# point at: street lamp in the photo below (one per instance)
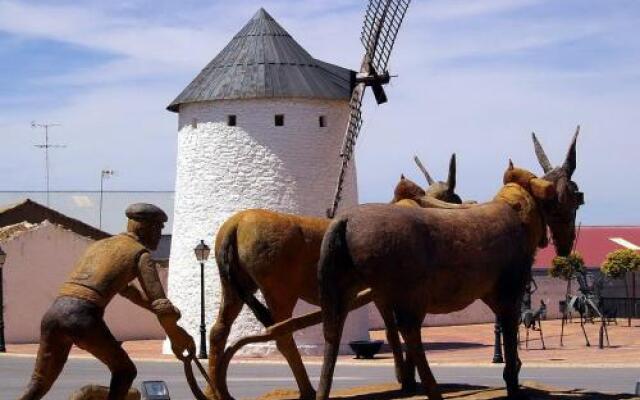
(202, 254)
(3, 258)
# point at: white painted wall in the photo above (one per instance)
(222, 170)
(38, 262)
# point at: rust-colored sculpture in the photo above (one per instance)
(76, 317)
(419, 261)
(278, 254)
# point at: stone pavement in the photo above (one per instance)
(465, 345)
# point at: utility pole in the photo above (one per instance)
(105, 174)
(46, 146)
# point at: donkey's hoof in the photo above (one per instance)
(517, 395)
(309, 394)
(409, 386)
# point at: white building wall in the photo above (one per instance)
(223, 169)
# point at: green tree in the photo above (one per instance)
(619, 262)
(566, 267)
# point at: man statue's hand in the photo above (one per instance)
(182, 342)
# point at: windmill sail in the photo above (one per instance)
(382, 22)
(380, 29)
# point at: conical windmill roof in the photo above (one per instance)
(264, 61)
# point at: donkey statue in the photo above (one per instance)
(278, 254)
(418, 261)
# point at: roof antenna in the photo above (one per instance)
(46, 146)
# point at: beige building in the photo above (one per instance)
(42, 248)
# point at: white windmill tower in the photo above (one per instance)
(261, 126)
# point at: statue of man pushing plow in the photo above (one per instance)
(107, 268)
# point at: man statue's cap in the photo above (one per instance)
(145, 212)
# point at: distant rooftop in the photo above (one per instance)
(594, 243)
(263, 61)
(14, 216)
(85, 205)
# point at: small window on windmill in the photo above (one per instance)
(231, 120)
(322, 121)
(279, 120)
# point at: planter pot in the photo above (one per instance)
(366, 348)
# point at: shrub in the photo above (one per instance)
(566, 267)
(619, 262)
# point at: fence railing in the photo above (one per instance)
(621, 307)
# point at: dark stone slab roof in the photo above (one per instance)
(263, 61)
(29, 211)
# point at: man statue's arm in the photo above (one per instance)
(134, 295)
(154, 292)
(168, 315)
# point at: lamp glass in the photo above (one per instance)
(202, 251)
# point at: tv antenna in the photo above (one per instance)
(104, 175)
(46, 146)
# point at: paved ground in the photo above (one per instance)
(248, 380)
(473, 345)
(459, 354)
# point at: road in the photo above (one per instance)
(252, 379)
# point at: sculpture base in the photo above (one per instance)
(533, 390)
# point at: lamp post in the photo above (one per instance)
(497, 343)
(202, 254)
(3, 258)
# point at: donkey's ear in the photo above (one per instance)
(570, 161)
(542, 189)
(511, 167)
(451, 180)
(402, 177)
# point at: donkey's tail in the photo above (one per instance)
(227, 259)
(335, 263)
(335, 270)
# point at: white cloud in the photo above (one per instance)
(458, 9)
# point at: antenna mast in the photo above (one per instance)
(46, 146)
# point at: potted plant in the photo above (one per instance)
(617, 265)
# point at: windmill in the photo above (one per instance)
(382, 22)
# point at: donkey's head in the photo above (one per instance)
(444, 191)
(406, 189)
(560, 211)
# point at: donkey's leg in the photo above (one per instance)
(282, 309)
(405, 369)
(230, 307)
(411, 334)
(509, 321)
(333, 317)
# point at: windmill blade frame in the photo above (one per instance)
(382, 22)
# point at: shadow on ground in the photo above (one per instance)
(442, 346)
(533, 390)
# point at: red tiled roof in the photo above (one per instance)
(594, 243)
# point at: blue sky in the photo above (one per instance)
(474, 77)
